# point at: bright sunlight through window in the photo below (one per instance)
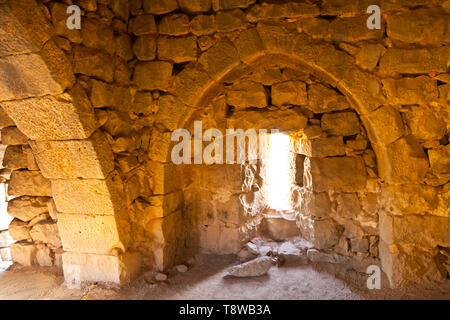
(279, 172)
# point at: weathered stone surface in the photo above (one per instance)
(144, 24)
(414, 61)
(425, 123)
(26, 208)
(89, 233)
(402, 161)
(227, 21)
(106, 95)
(59, 20)
(369, 55)
(92, 62)
(14, 36)
(385, 125)
(30, 183)
(316, 205)
(203, 25)
(46, 232)
(425, 230)
(245, 94)
(174, 25)
(88, 196)
(408, 264)
(14, 158)
(72, 159)
(153, 75)
(145, 47)
(322, 147)
(63, 117)
(23, 253)
(19, 230)
(287, 121)
(346, 174)
(195, 6)
(424, 26)
(418, 90)
(410, 199)
(51, 208)
(248, 44)
(340, 123)
(440, 160)
(348, 206)
(282, 10)
(191, 83)
(325, 233)
(13, 136)
(289, 93)
(279, 229)
(353, 30)
(178, 50)
(323, 99)
(220, 59)
(5, 120)
(171, 112)
(43, 256)
(253, 268)
(105, 268)
(123, 46)
(159, 6)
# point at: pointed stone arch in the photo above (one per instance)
(229, 59)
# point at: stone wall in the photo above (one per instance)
(137, 70)
(33, 228)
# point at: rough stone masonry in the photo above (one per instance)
(87, 116)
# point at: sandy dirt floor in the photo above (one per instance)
(207, 279)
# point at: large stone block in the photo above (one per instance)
(14, 39)
(101, 268)
(159, 6)
(193, 6)
(89, 233)
(178, 50)
(46, 232)
(14, 158)
(19, 230)
(440, 160)
(403, 91)
(414, 61)
(287, 121)
(26, 208)
(72, 159)
(246, 94)
(174, 25)
(94, 63)
(353, 30)
(345, 174)
(30, 183)
(23, 253)
(249, 44)
(384, 125)
(5, 120)
(105, 95)
(88, 196)
(145, 48)
(340, 123)
(220, 59)
(153, 75)
(311, 204)
(425, 123)
(59, 20)
(143, 25)
(402, 161)
(426, 231)
(323, 99)
(282, 10)
(322, 147)
(424, 26)
(13, 136)
(410, 199)
(289, 93)
(63, 117)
